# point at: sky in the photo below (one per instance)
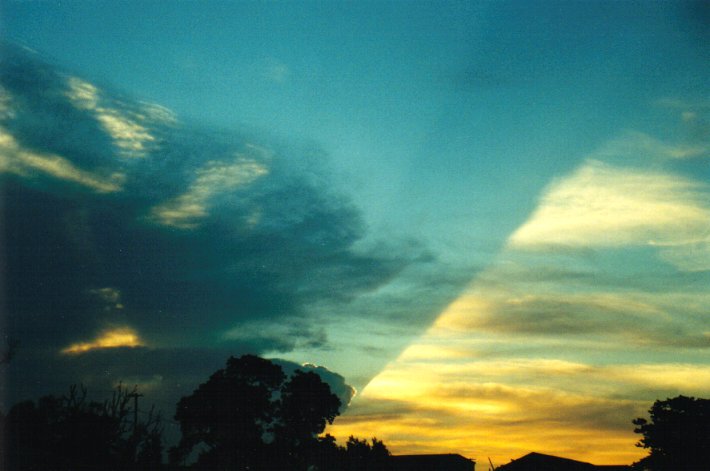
(485, 224)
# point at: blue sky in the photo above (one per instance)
(330, 182)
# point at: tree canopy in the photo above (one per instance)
(250, 415)
(678, 435)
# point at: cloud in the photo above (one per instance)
(642, 147)
(287, 335)
(478, 416)
(186, 210)
(335, 381)
(636, 318)
(113, 338)
(163, 375)
(170, 372)
(595, 308)
(130, 232)
(507, 407)
(17, 160)
(683, 104)
(124, 124)
(110, 297)
(607, 206)
(204, 232)
(6, 110)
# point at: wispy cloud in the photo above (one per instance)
(649, 147)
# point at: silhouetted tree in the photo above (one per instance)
(356, 455)
(305, 406)
(678, 435)
(149, 446)
(69, 433)
(249, 415)
(229, 415)
(361, 455)
(327, 455)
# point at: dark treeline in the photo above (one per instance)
(71, 433)
(246, 416)
(251, 416)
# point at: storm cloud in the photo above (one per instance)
(125, 227)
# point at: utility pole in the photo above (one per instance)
(135, 397)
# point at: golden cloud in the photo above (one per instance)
(602, 205)
(505, 408)
(554, 348)
(497, 420)
(608, 206)
(113, 338)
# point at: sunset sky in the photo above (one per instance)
(489, 219)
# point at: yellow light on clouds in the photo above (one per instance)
(14, 158)
(605, 206)
(124, 126)
(119, 337)
(186, 210)
(555, 348)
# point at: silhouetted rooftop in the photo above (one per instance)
(445, 462)
(541, 462)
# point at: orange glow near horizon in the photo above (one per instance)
(501, 443)
(113, 338)
(544, 351)
(416, 409)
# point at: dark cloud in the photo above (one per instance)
(116, 214)
(206, 228)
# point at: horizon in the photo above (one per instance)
(486, 225)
